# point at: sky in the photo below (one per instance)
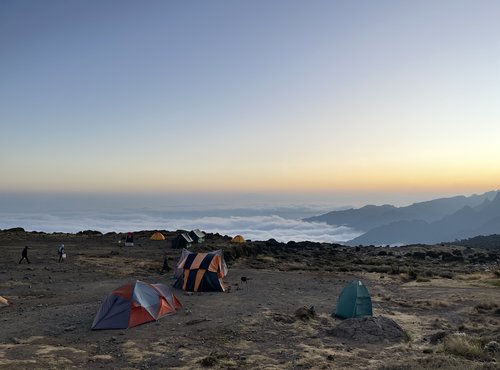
(350, 98)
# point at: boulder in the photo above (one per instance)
(369, 330)
(305, 314)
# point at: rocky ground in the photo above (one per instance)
(446, 299)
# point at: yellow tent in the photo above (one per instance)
(157, 236)
(238, 239)
(3, 302)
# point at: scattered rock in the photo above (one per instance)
(89, 233)
(492, 347)
(437, 337)
(17, 341)
(197, 321)
(305, 314)
(213, 359)
(369, 330)
(14, 230)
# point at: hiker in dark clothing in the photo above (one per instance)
(165, 267)
(61, 253)
(25, 255)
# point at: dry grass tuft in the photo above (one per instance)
(494, 282)
(438, 363)
(216, 359)
(464, 346)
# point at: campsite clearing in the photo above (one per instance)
(253, 326)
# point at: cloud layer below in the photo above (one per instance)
(261, 227)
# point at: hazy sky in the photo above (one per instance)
(250, 96)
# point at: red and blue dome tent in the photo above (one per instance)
(135, 304)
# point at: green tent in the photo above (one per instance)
(354, 301)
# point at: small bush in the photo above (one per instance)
(494, 282)
(421, 279)
(447, 275)
(408, 336)
(213, 359)
(379, 269)
(394, 269)
(412, 274)
(487, 306)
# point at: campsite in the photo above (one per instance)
(276, 311)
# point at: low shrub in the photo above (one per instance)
(394, 269)
(421, 279)
(487, 306)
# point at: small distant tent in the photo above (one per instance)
(354, 301)
(3, 302)
(135, 304)
(157, 236)
(201, 272)
(129, 240)
(182, 241)
(197, 235)
(238, 239)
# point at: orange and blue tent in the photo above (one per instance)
(135, 304)
(201, 272)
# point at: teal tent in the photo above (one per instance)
(354, 301)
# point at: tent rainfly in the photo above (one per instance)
(182, 241)
(135, 304)
(157, 236)
(201, 272)
(197, 235)
(3, 302)
(354, 301)
(238, 239)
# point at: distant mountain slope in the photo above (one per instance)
(488, 242)
(467, 222)
(370, 217)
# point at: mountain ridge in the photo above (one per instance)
(432, 221)
(466, 222)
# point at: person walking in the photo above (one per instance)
(165, 267)
(24, 254)
(62, 253)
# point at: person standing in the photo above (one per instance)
(24, 254)
(61, 252)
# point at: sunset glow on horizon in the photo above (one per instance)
(283, 96)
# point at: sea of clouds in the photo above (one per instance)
(254, 227)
